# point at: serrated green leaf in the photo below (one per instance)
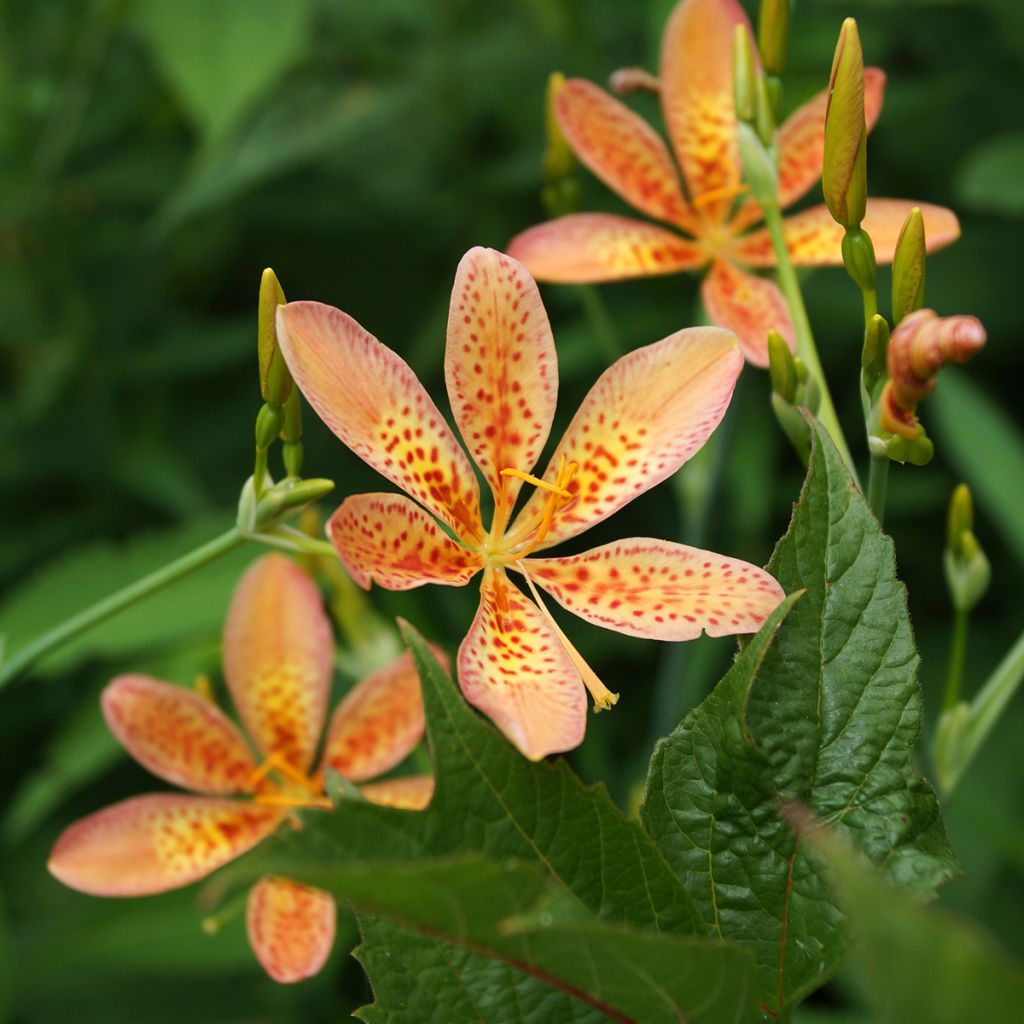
(188, 608)
(987, 449)
(511, 912)
(491, 800)
(920, 964)
(827, 714)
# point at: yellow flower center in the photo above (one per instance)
(291, 788)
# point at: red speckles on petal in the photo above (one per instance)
(154, 843)
(645, 416)
(387, 539)
(370, 397)
(178, 735)
(291, 928)
(278, 658)
(489, 397)
(663, 591)
(513, 667)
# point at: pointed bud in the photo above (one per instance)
(960, 519)
(908, 267)
(744, 75)
(268, 425)
(859, 258)
(773, 35)
(559, 161)
(764, 112)
(275, 380)
(873, 356)
(781, 367)
(967, 568)
(285, 498)
(844, 173)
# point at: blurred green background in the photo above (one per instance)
(156, 155)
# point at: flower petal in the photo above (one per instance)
(408, 793)
(371, 399)
(178, 735)
(389, 540)
(802, 146)
(378, 722)
(278, 658)
(154, 843)
(815, 239)
(622, 150)
(645, 416)
(697, 100)
(590, 247)
(500, 366)
(659, 590)
(749, 305)
(513, 667)
(291, 927)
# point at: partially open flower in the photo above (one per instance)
(278, 655)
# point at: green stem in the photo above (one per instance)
(101, 610)
(805, 347)
(870, 305)
(597, 313)
(878, 485)
(957, 656)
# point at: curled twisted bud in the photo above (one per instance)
(920, 346)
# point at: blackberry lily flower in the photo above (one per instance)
(277, 662)
(642, 420)
(710, 228)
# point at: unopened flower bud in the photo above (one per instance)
(275, 380)
(287, 497)
(268, 425)
(960, 520)
(773, 35)
(859, 258)
(744, 74)
(967, 568)
(781, 367)
(873, 356)
(908, 266)
(919, 347)
(558, 157)
(844, 172)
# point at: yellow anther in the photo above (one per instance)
(714, 194)
(529, 478)
(277, 762)
(293, 800)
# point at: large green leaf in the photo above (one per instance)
(826, 714)
(920, 964)
(512, 913)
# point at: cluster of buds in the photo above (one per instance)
(920, 346)
(561, 192)
(793, 389)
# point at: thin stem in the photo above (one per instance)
(805, 347)
(870, 305)
(597, 313)
(102, 610)
(878, 485)
(957, 656)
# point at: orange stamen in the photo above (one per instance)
(560, 496)
(280, 797)
(714, 194)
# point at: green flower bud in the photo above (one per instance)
(744, 74)
(764, 112)
(773, 35)
(908, 266)
(967, 568)
(275, 380)
(268, 425)
(859, 258)
(960, 519)
(844, 173)
(285, 498)
(873, 356)
(781, 367)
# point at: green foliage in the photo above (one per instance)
(990, 178)
(827, 716)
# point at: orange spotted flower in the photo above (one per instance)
(278, 655)
(709, 209)
(642, 420)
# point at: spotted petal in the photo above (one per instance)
(389, 540)
(748, 305)
(645, 416)
(622, 150)
(500, 366)
(371, 399)
(697, 100)
(278, 655)
(377, 723)
(815, 239)
(291, 927)
(408, 793)
(154, 843)
(513, 667)
(802, 146)
(591, 247)
(659, 590)
(178, 735)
